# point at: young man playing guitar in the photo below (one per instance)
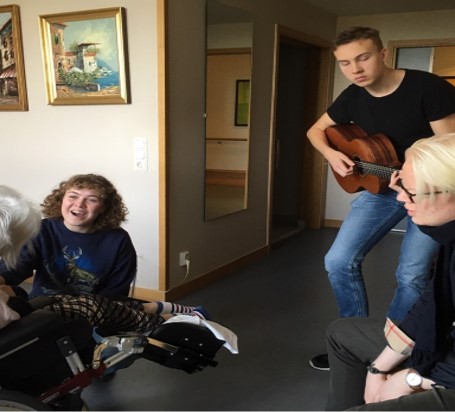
(404, 105)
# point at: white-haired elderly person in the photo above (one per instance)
(411, 365)
(20, 222)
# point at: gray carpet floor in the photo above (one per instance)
(279, 307)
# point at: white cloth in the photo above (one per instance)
(220, 332)
(7, 315)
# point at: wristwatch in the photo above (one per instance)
(414, 380)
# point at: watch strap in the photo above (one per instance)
(375, 371)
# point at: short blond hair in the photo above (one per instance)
(433, 162)
(20, 222)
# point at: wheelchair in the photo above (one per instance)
(46, 362)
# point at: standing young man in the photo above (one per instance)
(405, 105)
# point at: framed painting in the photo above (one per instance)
(85, 57)
(242, 102)
(13, 91)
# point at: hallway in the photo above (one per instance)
(279, 307)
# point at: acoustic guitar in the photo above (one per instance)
(374, 157)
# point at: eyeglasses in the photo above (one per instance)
(411, 196)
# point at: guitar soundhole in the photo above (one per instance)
(358, 164)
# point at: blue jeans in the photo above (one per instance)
(370, 219)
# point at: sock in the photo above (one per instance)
(174, 308)
(169, 307)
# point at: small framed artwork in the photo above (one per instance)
(85, 57)
(242, 102)
(13, 91)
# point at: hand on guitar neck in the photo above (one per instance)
(364, 162)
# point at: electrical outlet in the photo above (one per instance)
(183, 258)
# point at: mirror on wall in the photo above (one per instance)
(228, 86)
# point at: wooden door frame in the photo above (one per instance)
(315, 165)
(163, 277)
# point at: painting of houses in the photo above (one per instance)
(13, 92)
(9, 92)
(84, 58)
(78, 66)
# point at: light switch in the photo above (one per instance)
(140, 154)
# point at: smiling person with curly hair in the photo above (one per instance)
(81, 247)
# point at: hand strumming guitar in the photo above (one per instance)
(339, 162)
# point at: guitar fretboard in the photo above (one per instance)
(368, 168)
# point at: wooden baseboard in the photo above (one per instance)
(194, 285)
(332, 223)
(147, 294)
(225, 177)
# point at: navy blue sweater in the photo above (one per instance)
(66, 262)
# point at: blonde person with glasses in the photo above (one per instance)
(410, 365)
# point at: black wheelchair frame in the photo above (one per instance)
(46, 362)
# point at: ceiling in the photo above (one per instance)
(220, 13)
(362, 7)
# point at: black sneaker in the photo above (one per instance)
(320, 362)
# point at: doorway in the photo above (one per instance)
(303, 73)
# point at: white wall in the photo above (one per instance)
(47, 144)
(399, 26)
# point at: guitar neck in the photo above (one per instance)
(374, 169)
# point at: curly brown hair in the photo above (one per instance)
(114, 213)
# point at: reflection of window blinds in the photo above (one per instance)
(419, 58)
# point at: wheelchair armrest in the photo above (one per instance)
(27, 330)
(31, 360)
(40, 302)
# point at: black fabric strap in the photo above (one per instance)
(20, 305)
(375, 371)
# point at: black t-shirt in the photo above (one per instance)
(404, 115)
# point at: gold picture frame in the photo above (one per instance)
(85, 57)
(13, 90)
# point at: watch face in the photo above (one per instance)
(414, 379)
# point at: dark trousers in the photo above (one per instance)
(352, 344)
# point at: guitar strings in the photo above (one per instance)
(375, 169)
